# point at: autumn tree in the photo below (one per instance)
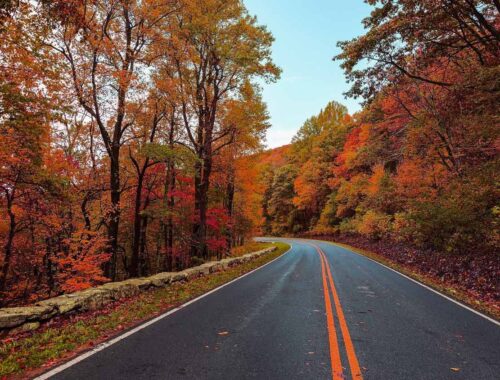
(25, 113)
(106, 47)
(149, 121)
(315, 148)
(114, 118)
(406, 37)
(280, 211)
(248, 118)
(218, 48)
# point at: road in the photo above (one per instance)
(287, 321)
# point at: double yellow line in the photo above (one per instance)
(337, 370)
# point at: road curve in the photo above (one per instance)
(318, 312)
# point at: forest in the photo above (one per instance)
(132, 136)
(120, 123)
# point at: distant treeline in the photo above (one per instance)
(420, 162)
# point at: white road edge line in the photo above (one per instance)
(417, 282)
(104, 345)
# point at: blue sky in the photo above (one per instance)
(306, 33)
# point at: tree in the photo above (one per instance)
(218, 48)
(25, 113)
(248, 118)
(107, 46)
(115, 117)
(280, 207)
(147, 127)
(406, 37)
(315, 152)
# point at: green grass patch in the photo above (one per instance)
(49, 345)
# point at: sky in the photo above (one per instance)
(306, 33)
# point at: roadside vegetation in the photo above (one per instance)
(249, 247)
(117, 156)
(29, 353)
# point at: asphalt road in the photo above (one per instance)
(286, 321)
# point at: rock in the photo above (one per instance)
(30, 326)
(161, 279)
(225, 263)
(216, 267)
(89, 299)
(9, 318)
(142, 283)
(120, 289)
(206, 268)
(15, 316)
(92, 299)
(193, 272)
(64, 304)
(179, 276)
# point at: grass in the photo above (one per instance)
(35, 352)
(251, 246)
(447, 289)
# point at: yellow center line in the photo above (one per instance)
(332, 333)
(351, 353)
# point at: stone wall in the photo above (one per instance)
(29, 317)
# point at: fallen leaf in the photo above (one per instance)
(223, 333)
(455, 369)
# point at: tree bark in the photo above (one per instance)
(169, 225)
(229, 205)
(144, 267)
(8, 244)
(114, 222)
(135, 260)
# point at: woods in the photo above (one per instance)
(118, 122)
(419, 164)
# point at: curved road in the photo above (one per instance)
(317, 312)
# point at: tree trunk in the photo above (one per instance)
(169, 200)
(114, 222)
(195, 237)
(229, 205)
(8, 244)
(202, 184)
(143, 259)
(169, 225)
(135, 260)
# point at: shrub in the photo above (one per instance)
(403, 227)
(457, 220)
(374, 224)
